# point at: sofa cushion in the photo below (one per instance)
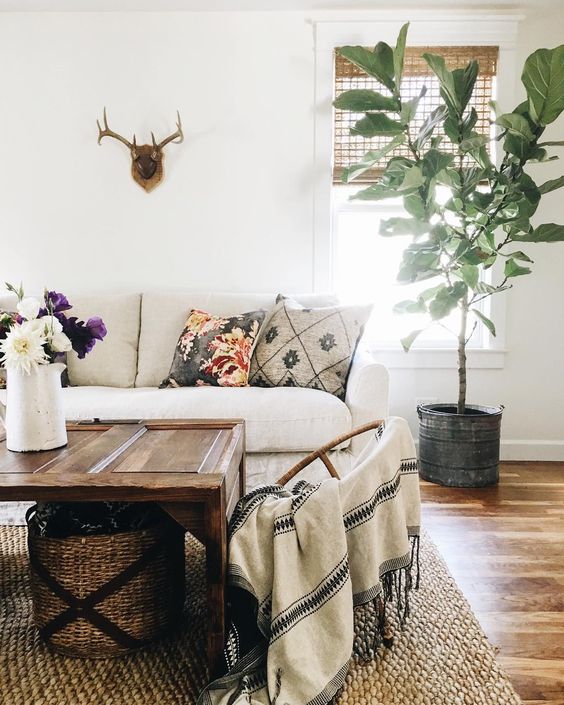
(278, 420)
(163, 315)
(113, 361)
(308, 347)
(214, 350)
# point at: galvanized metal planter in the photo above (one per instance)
(459, 450)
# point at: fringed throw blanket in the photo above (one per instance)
(300, 560)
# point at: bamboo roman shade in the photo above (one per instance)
(349, 149)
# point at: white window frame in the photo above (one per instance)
(427, 28)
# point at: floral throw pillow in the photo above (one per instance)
(308, 347)
(214, 350)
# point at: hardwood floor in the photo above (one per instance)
(504, 546)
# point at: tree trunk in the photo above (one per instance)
(461, 407)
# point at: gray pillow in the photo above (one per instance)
(214, 350)
(308, 347)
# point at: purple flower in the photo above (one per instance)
(59, 302)
(83, 336)
(97, 327)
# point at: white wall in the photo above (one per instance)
(235, 211)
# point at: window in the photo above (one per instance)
(350, 149)
(364, 264)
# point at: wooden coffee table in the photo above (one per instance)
(195, 470)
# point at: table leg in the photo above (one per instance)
(216, 568)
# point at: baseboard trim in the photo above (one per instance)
(532, 450)
(529, 450)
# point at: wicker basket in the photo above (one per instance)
(102, 596)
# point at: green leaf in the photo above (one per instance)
(376, 124)
(375, 192)
(403, 226)
(530, 190)
(543, 78)
(415, 206)
(399, 53)
(495, 107)
(539, 154)
(412, 181)
(464, 80)
(395, 171)
(446, 80)
(385, 55)
(409, 306)
(470, 274)
(428, 294)
(482, 157)
(485, 320)
(517, 125)
(474, 142)
(549, 232)
(516, 145)
(512, 269)
(451, 129)
(408, 341)
(370, 159)
(486, 242)
(362, 100)
(446, 300)
(374, 63)
(551, 185)
(484, 288)
(434, 162)
(473, 256)
(426, 130)
(409, 108)
(469, 121)
(520, 256)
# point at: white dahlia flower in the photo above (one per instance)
(22, 349)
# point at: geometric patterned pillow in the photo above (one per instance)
(308, 347)
(214, 350)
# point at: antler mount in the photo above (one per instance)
(146, 159)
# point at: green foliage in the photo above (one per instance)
(543, 78)
(362, 100)
(376, 124)
(399, 53)
(370, 159)
(457, 243)
(551, 185)
(375, 63)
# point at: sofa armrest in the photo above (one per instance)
(367, 394)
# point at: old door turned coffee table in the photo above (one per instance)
(195, 470)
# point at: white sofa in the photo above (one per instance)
(120, 378)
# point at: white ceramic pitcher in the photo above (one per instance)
(34, 416)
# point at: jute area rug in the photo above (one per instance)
(441, 657)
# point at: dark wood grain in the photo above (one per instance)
(505, 548)
(194, 470)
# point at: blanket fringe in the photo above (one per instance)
(396, 586)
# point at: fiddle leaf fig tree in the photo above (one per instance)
(486, 213)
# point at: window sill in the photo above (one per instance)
(438, 358)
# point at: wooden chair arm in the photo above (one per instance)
(321, 453)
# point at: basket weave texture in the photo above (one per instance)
(74, 576)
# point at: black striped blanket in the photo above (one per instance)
(301, 559)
